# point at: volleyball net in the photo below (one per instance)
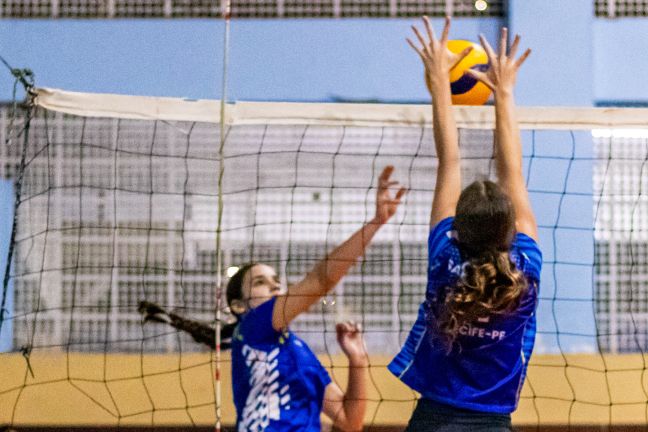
(116, 201)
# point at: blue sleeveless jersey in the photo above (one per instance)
(277, 381)
(487, 372)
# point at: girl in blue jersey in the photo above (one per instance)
(278, 383)
(468, 351)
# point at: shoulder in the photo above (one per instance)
(444, 258)
(256, 324)
(527, 255)
(441, 236)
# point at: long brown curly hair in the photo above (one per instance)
(490, 283)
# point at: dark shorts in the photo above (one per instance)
(430, 416)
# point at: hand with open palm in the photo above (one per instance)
(386, 204)
(502, 72)
(437, 58)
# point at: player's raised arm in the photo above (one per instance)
(328, 272)
(501, 77)
(438, 62)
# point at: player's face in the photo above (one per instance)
(260, 284)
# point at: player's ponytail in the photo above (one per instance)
(201, 332)
(490, 283)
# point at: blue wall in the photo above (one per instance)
(6, 216)
(559, 70)
(620, 60)
(577, 59)
(270, 60)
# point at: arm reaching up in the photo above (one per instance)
(438, 61)
(328, 272)
(501, 77)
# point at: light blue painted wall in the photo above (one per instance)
(619, 59)
(318, 59)
(560, 188)
(6, 218)
(559, 72)
(270, 60)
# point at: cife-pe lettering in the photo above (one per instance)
(481, 332)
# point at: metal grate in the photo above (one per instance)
(621, 8)
(28, 9)
(258, 9)
(83, 9)
(621, 254)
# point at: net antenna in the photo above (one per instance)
(226, 9)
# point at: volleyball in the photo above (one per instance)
(466, 90)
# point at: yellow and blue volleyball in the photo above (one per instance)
(466, 90)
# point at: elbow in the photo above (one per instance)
(352, 420)
(356, 426)
(322, 279)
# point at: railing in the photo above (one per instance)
(263, 9)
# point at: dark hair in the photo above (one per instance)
(490, 282)
(485, 218)
(201, 332)
(234, 290)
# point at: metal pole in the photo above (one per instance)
(226, 11)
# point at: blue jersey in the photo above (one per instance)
(277, 381)
(487, 372)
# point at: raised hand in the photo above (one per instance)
(502, 72)
(349, 337)
(386, 204)
(437, 58)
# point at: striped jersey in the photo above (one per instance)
(277, 381)
(486, 369)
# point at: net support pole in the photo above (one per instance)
(226, 11)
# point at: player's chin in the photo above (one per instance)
(253, 304)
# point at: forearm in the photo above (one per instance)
(507, 139)
(446, 137)
(355, 398)
(337, 263)
(328, 272)
(446, 140)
